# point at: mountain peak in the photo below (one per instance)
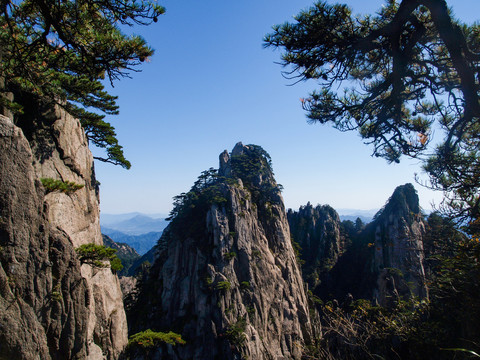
(235, 257)
(404, 202)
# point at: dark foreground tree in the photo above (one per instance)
(396, 78)
(59, 51)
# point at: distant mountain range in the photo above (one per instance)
(142, 231)
(137, 230)
(352, 214)
(133, 223)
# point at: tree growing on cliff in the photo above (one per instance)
(401, 73)
(60, 51)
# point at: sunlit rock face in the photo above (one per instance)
(225, 276)
(79, 308)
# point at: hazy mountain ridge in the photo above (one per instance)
(138, 230)
(137, 224)
(141, 243)
(107, 218)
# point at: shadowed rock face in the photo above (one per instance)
(72, 310)
(317, 231)
(399, 258)
(231, 286)
(383, 262)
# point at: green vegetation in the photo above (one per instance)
(230, 255)
(245, 285)
(223, 285)
(236, 332)
(148, 339)
(190, 208)
(404, 198)
(57, 293)
(67, 187)
(98, 256)
(364, 331)
(297, 250)
(127, 256)
(251, 166)
(407, 70)
(116, 264)
(208, 281)
(256, 253)
(406, 328)
(60, 52)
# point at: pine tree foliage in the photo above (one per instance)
(395, 77)
(60, 51)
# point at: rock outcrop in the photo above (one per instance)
(317, 232)
(74, 310)
(225, 276)
(383, 262)
(399, 230)
(42, 293)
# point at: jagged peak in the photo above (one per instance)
(247, 167)
(404, 202)
(249, 163)
(316, 211)
(224, 168)
(229, 246)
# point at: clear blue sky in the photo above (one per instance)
(211, 84)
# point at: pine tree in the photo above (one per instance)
(59, 51)
(394, 77)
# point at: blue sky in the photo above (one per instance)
(211, 84)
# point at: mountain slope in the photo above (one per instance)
(383, 262)
(141, 243)
(225, 275)
(137, 225)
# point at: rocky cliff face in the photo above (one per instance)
(225, 275)
(382, 263)
(317, 231)
(40, 231)
(399, 230)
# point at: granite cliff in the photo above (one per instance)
(399, 230)
(382, 262)
(225, 274)
(53, 306)
(317, 231)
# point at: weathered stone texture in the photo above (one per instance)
(317, 232)
(235, 291)
(72, 310)
(42, 295)
(78, 215)
(399, 256)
